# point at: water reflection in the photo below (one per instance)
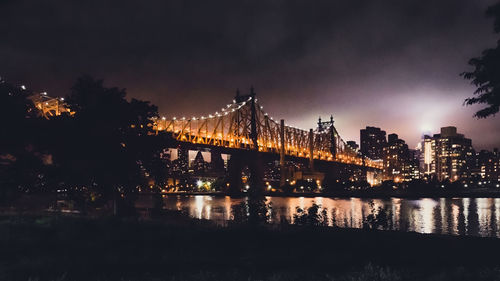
(459, 216)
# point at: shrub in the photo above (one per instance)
(312, 217)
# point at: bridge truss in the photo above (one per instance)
(243, 124)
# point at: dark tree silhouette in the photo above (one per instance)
(98, 154)
(15, 110)
(20, 161)
(486, 74)
(99, 150)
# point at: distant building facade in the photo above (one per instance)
(488, 165)
(413, 165)
(353, 145)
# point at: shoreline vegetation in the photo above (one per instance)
(176, 247)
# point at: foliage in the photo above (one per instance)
(380, 218)
(314, 216)
(20, 161)
(102, 150)
(253, 211)
(219, 184)
(486, 74)
(334, 217)
(240, 212)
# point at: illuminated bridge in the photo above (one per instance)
(243, 124)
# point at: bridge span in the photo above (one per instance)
(244, 125)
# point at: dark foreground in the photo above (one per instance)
(63, 248)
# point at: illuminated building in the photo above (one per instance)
(397, 165)
(180, 165)
(272, 172)
(449, 155)
(372, 142)
(353, 145)
(487, 165)
(413, 164)
(183, 156)
(429, 149)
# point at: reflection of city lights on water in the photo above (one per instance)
(199, 205)
(466, 203)
(445, 215)
(426, 213)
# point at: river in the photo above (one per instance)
(456, 216)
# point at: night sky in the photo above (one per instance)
(392, 64)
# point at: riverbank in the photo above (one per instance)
(49, 248)
(375, 194)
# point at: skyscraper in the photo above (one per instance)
(400, 163)
(449, 155)
(372, 142)
(429, 149)
(413, 164)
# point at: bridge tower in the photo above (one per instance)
(250, 158)
(328, 125)
(253, 121)
(253, 115)
(311, 150)
(283, 173)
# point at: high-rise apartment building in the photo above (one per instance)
(487, 165)
(373, 142)
(400, 162)
(448, 155)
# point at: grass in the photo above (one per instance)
(68, 248)
(367, 273)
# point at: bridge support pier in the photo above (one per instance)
(282, 153)
(240, 160)
(311, 150)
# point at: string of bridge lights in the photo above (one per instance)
(44, 94)
(225, 111)
(232, 107)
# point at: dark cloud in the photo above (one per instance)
(366, 62)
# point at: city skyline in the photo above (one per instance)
(391, 66)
